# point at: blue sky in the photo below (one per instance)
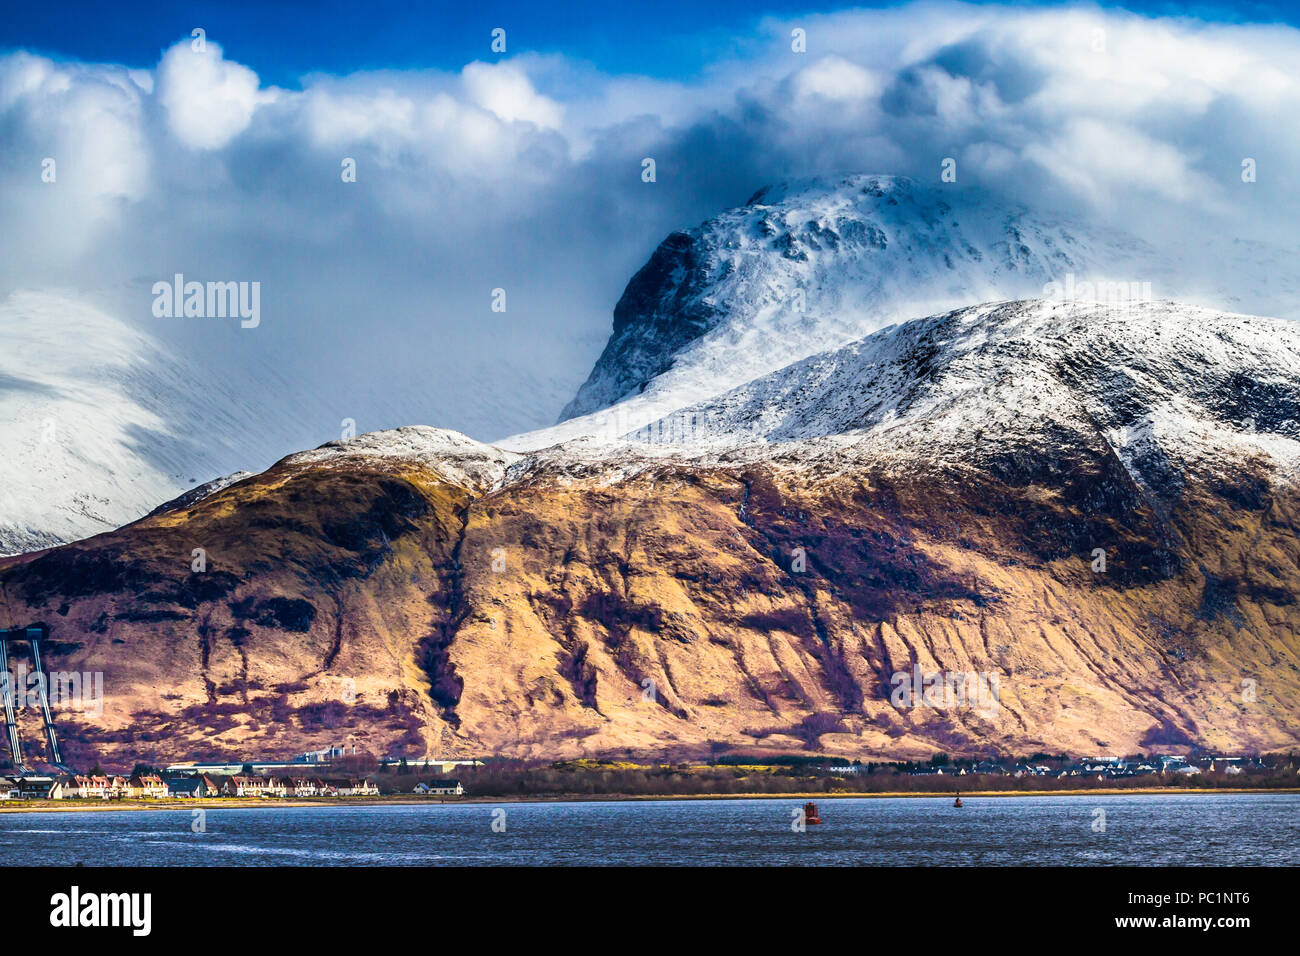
(283, 41)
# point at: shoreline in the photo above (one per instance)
(259, 803)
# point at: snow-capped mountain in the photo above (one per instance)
(1096, 502)
(452, 455)
(823, 260)
(1100, 509)
(815, 264)
(1155, 382)
(102, 423)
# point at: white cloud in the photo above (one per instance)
(835, 78)
(1120, 154)
(209, 100)
(75, 150)
(504, 90)
(337, 119)
(88, 120)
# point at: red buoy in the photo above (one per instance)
(810, 814)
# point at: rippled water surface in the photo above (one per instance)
(1148, 830)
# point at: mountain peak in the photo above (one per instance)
(811, 264)
(807, 188)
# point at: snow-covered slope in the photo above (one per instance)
(458, 458)
(815, 264)
(99, 424)
(1157, 382)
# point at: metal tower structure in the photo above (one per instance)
(33, 634)
(11, 719)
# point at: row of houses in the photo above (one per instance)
(1108, 767)
(245, 785)
(152, 787)
(76, 786)
(1168, 763)
(1077, 770)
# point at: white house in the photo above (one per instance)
(302, 787)
(447, 788)
(148, 786)
(85, 787)
(242, 785)
(348, 788)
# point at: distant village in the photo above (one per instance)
(333, 773)
(207, 781)
(1099, 767)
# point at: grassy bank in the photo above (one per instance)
(611, 778)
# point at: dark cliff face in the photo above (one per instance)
(658, 286)
(658, 314)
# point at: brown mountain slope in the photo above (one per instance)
(421, 601)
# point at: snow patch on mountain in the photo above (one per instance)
(206, 490)
(1158, 383)
(457, 458)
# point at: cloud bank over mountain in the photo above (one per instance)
(523, 172)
